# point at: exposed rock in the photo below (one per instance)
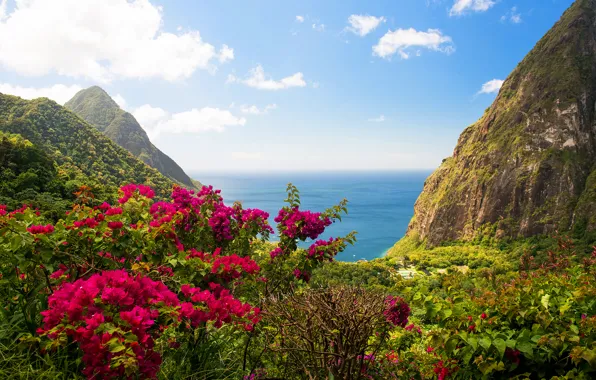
(527, 166)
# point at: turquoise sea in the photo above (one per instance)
(379, 209)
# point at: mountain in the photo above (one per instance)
(96, 107)
(50, 150)
(527, 167)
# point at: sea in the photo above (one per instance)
(380, 204)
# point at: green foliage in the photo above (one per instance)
(80, 154)
(28, 176)
(96, 107)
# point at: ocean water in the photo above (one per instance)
(380, 204)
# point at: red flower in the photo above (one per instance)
(397, 311)
(40, 229)
(115, 225)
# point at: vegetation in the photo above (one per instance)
(190, 288)
(80, 155)
(108, 269)
(96, 107)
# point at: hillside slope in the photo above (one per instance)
(527, 166)
(80, 151)
(96, 107)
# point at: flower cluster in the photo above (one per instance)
(117, 318)
(396, 311)
(294, 223)
(113, 211)
(220, 222)
(217, 306)
(233, 265)
(129, 190)
(84, 308)
(321, 249)
(226, 267)
(301, 275)
(276, 252)
(258, 217)
(62, 269)
(41, 229)
(115, 225)
(87, 222)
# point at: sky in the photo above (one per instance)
(263, 85)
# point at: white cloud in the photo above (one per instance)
(363, 24)
(379, 119)
(318, 27)
(492, 86)
(99, 39)
(300, 18)
(254, 110)
(119, 99)
(156, 120)
(514, 16)
(242, 156)
(225, 54)
(59, 93)
(400, 40)
(259, 80)
(464, 6)
(3, 9)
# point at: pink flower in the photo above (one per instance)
(294, 223)
(396, 311)
(276, 252)
(114, 211)
(40, 229)
(115, 225)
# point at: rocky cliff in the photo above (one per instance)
(527, 166)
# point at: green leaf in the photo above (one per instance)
(117, 348)
(473, 342)
(590, 357)
(564, 308)
(487, 367)
(451, 344)
(525, 348)
(447, 313)
(544, 300)
(500, 345)
(484, 342)
(467, 355)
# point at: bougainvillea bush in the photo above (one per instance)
(120, 288)
(194, 288)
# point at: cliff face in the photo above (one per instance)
(527, 166)
(96, 107)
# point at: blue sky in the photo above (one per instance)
(279, 85)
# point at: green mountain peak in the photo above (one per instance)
(96, 107)
(526, 167)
